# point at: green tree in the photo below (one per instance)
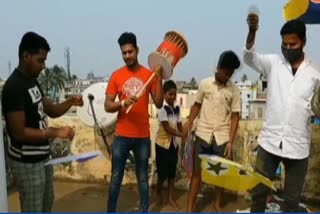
(53, 80)
(74, 77)
(46, 80)
(244, 78)
(193, 83)
(60, 77)
(60, 80)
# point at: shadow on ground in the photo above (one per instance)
(77, 197)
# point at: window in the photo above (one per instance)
(248, 95)
(260, 111)
(264, 85)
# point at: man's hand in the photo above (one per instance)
(228, 151)
(130, 100)
(76, 100)
(65, 132)
(187, 126)
(253, 22)
(158, 70)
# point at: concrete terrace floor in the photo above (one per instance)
(77, 197)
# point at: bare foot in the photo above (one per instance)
(160, 199)
(216, 208)
(153, 199)
(174, 204)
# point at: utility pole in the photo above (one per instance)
(68, 61)
(9, 68)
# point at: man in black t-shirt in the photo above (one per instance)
(25, 109)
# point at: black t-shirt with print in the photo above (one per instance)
(21, 93)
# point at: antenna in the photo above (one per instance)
(96, 96)
(90, 97)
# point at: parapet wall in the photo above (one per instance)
(98, 169)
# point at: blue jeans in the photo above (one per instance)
(120, 151)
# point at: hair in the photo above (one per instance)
(294, 27)
(170, 84)
(229, 60)
(32, 43)
(127, 38)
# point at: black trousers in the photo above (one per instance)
(166, 161)
(295, 172)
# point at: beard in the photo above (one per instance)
(131, 63)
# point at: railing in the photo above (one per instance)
(3, 183)
(261, 95)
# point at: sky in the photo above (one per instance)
(91, 29)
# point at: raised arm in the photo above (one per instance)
(258, 62)
(253, 24)
(156, 88)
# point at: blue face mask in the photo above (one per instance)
(292, 55)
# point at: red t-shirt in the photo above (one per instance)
(124, 83)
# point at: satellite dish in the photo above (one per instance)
(96, 92)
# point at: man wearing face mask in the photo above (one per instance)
(285, 136)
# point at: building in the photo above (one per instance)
(253, 98)
(257, 106)
(184, 87)
(77, 87)
(247, 92)
(184, 100)
(257, 109)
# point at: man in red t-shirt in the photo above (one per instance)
(132, 129)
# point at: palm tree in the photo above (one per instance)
(59, 80)
(53, 80)
(244, 78)
(193, 83)
(60, 77)
(74, 77)
(46, 80)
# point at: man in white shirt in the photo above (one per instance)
(285, 136)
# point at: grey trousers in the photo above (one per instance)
(35, 185)
(295, 172)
